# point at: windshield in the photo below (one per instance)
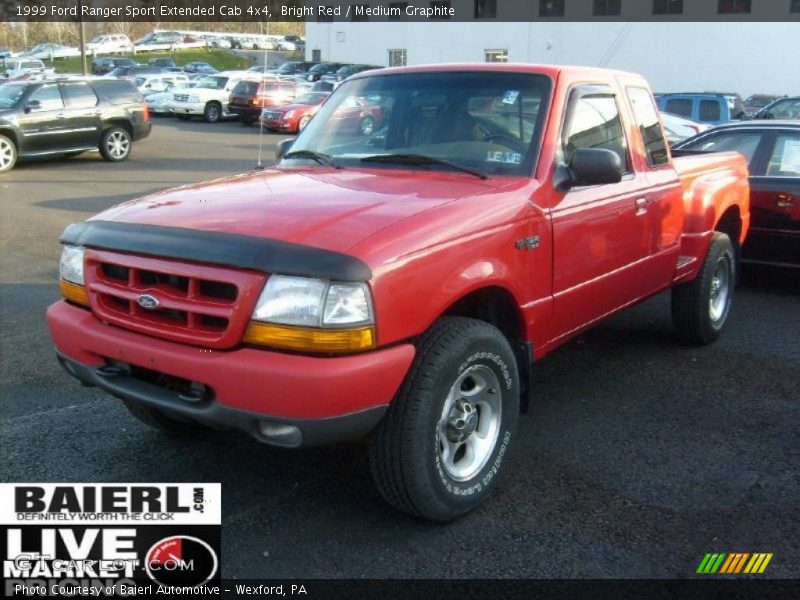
(490, 121)
(289, 66)
(311, 98)
(213, 83)
(10, 94)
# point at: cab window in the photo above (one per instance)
(594, 122)
(644, 111)
(79, 95)
(48, 96)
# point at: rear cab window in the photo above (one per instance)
(649, 125)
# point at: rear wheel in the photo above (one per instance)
(247, 119)
(700, 308)
(115, 145)
(212, 112)
(8, 154)
(439, 450)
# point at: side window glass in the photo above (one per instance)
(710, 111)
(785, 158)
(744, 143)
(79, 95)
(594, 122)
(644, 111)
(49, 98)
(680, 107)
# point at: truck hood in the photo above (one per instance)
(320, 207)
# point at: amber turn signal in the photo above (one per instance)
(310, 340)
(74, 292)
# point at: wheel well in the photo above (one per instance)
(497, 306)
(731, 223)
(10, 135)
(217, 102)
(118, 123)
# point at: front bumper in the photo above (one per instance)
(327, 399)
(187, 108)
(279, 125)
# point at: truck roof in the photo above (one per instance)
(551, 70)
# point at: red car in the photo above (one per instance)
(293, 118)
(398, 286)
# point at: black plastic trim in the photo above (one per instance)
(219, 248)
(314, 432)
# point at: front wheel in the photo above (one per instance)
(301, 124)
(439, 450)
(115, 146)
(212, 112)
(8, 154)
(700, 307)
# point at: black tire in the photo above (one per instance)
(408, 454)
(8, 154)
(698, 312)
(159, 421)
(116, 144)
(212, 112)
(247, 120)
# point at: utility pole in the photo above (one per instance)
(82, 35)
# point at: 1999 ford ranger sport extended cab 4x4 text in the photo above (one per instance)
(398, 284)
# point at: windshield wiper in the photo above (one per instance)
(423, 159)
(321, 158)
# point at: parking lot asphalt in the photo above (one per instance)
(639, 454)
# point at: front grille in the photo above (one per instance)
(180, 97)
(194, 304)
(271, 115)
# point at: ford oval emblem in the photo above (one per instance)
(148, 302)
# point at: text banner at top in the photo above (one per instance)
(366, 11)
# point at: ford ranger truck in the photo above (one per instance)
(398, 285)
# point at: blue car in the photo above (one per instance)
(714, 109)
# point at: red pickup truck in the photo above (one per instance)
(398, 284)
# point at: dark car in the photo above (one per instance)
(348, 70)
(294, 67)
(105, 64)
(756, 102)
(199, 67)
(772, 149)
(785, 108)
(316, 72)
(70, 116)
(249, 96)
(164, 63)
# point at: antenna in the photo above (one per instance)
(259, 166)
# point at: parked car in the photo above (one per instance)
(426, 269)
(159, 40)
(109, 43)
(5, 53)
(209, 98)
(18, 67)
(772, 149)
(159, 82)
(297, 43)
(346, 71)
(51, 52)
(679, 129)
(756, 102)
(105, 64)
(70, 117)
(250, 96)
(322, 86)
(216, 41)
(131, 73)
(159, 103)
(713, 109)
(785, 108)
(164, 63)
(316, 72)
(199, 67)
(293, 118)
(293, 67)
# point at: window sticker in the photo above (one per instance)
(790, 161)
(508, 158)
(510, 97)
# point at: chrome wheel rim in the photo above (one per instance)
(6, 154)
(118, 144)
(720, 289)
(469, 425)
(213, 113)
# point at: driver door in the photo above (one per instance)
(42, 121)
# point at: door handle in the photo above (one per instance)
(641, 206)
(784, 201)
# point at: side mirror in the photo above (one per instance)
(33, 105)
(283, 147)
(595, 166)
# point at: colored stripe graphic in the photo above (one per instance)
(758, 563)
(711, 563)
(734, 563)
(723, 563)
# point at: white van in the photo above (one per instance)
(109, 43)
(17, 67)
(147, 83)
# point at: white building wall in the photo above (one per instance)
(685, 56)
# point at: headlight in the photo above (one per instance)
(301, 313)
(288, 115)
(71, 267)
(71, 272)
